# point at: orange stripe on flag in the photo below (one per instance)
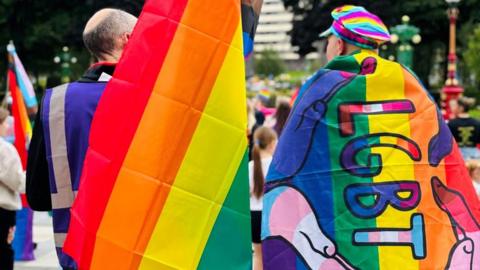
(163, 136)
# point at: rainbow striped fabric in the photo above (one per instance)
(22, 126)
(367, 176)
(17, 79)
(358, 26)
(164, 184)
(23, 82)
(264, 95)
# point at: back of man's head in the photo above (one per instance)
(107, 32)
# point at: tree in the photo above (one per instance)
(40, 29)
(313, 16)
(472, 60)
(269, 63)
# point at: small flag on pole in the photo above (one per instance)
(17, 82)
(23, 82)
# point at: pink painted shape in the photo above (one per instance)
(346, 74)
(331, 264)
(354, 108)
(397, 106)
(462, 256)
(287, 211)
(374, 237)
(405, 237)
(466, 252)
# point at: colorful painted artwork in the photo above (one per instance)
(368, 176)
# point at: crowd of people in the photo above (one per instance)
(264, 127)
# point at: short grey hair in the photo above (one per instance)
(100, 40)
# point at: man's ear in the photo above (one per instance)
(125, 38)
(342, 47)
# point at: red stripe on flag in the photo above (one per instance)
(20, 132)
(106, 154)
(458, 179)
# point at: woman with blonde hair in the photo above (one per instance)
(265, 141)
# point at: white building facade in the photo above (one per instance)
(272, 31)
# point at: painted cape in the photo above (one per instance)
(164, 179)
(368, 176)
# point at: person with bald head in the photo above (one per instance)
(62, 127)
(107, 33)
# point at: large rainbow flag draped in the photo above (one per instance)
(368, 176)
(164, 184)
(17, 81)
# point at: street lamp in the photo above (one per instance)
(64, 59)
(404, 34)
(452, 90)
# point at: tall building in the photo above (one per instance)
(272, 32)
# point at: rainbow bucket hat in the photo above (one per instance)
(357, 26)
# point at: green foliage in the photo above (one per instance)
(40, 29)
(269, 63)
(475, 113)
(472, 61)
(313, 16)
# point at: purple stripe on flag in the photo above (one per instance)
(45, 111)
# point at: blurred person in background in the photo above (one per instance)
(465, 128)
(281, 115)
(12, 182)
(265, 141)
(474, 171)
(252, 125)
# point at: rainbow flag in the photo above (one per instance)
(22, 126)
(23, 242)
(23, 82)
(368, 176)
(164, 184)
(264, 94)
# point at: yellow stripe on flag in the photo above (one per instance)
(207, 171)
(396, 164)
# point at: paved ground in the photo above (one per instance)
(46, 259)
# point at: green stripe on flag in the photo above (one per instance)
(229, 245)
(364, 257)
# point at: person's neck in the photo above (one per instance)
(350, 50)
(463, 115)
(265, 154)
(110, 58)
